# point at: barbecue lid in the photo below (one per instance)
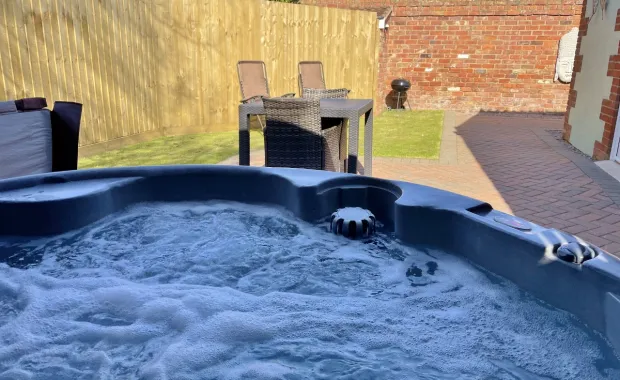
(401, 84)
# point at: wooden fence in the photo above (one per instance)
(169, 66)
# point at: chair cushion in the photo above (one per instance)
(311, 75)
(25, 143)
(8, 107)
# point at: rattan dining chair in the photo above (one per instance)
(315, 93)
(329, 122)
(294, 137)
(254, 84)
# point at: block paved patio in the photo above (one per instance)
(515, 163)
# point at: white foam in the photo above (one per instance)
(229, 291)
(56, 191)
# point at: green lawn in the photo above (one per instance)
(204, 148)
(408, 134)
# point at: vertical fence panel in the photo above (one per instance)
(5, 85)
(97, 103)
(11, 23)
(105, 55)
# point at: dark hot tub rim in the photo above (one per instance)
(510, 247)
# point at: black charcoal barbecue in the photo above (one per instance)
(400, 87)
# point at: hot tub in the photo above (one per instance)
(242, 297)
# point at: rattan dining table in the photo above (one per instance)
(351, 109)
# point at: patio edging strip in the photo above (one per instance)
(447, 148)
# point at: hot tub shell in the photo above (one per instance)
(510, 247)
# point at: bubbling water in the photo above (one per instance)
(229, 291)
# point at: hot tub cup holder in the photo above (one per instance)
(575, 252)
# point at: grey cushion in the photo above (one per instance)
(6, 107)
(25, 143)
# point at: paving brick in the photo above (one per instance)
(562, 225)
(580, 203)
(615, 237)
(560, 203)
(611, 219)
(611, 247)
(601, 205)
(604, 230)
(592, 192)
(574, 215)
(592, 217)
(596, 240)
(578, 229)
(545, 214)
(613, 210)
(542, 221)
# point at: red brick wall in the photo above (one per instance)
(511, 49)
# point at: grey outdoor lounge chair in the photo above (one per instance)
(294, 137)
(35, 140)
(311, 76)
(253, 83)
